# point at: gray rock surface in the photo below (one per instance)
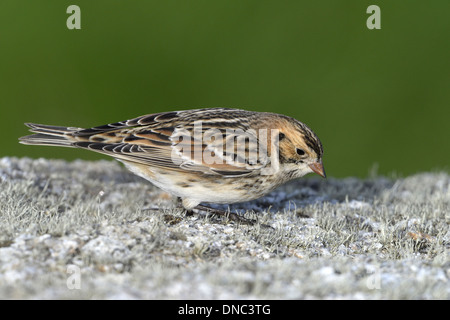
(83, 230)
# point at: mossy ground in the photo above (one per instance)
(87, 223)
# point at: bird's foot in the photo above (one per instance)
(228, 215)
(217, 212)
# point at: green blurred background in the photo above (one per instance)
(372, 96)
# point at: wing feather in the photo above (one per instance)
(223, 145)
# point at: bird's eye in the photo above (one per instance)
(300, 152)
(281, 136)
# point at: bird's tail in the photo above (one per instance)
(46, 135)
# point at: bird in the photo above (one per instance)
(207, 155)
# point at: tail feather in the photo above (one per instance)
(47, 135)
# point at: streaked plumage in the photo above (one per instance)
(152, 147)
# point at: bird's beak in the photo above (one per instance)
(317, 167)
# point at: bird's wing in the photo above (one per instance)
(180, 141)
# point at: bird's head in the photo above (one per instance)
(300, 150)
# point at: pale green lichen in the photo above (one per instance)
(337, 238)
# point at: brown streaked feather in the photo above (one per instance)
(153, 140)
(199, 164)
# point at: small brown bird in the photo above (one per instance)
(212, 155)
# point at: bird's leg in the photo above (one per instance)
(227, 214)
(218, 212)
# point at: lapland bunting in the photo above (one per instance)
(212, 155)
